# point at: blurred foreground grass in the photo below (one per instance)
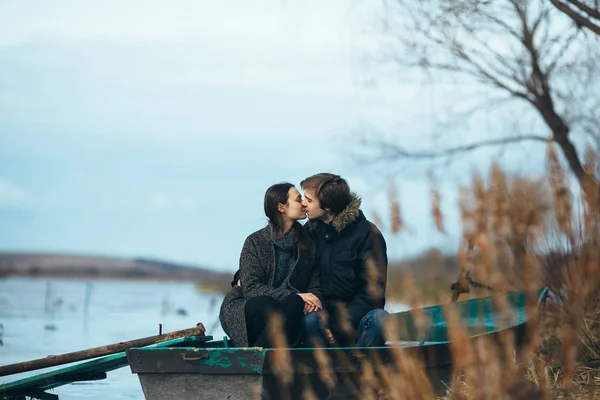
(519, 233)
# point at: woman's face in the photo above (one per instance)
(293, 210)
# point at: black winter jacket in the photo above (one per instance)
(352, 259)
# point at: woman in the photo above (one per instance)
(277, 274)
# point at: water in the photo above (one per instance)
(92, 314)
(117, 311)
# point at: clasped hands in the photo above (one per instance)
(311, 302)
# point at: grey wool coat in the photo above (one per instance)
(256, 272)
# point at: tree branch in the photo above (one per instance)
(561, 52)
(544, 101)
(512, 46)
(395, 152)
(592, 12)
(581, 20)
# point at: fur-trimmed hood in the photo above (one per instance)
(346, 217)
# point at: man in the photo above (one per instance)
(352, 257)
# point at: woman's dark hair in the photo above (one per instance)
(275, 195)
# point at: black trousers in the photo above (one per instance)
(259, 311)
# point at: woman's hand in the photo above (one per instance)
(308, 308)
(311, 302)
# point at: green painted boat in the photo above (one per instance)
(218, 371)
(37, 386)
(199, 367)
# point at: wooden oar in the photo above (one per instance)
(66, 358)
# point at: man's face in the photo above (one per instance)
(312, 207)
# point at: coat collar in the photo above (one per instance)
(345, 218)
(270, 234)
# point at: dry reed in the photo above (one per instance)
(510, 224)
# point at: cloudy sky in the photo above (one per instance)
(153, 128)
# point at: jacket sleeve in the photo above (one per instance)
(235, 278)
(372, 276)
(314, 286)
(253, 275)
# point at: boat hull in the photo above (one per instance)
(253, 373)
(219, 372)
(194, 386)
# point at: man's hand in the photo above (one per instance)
(311, 302)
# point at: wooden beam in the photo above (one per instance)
(52, 361)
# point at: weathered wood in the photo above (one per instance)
(189, 360)
(66, 358)
(217, 371)
(75, 372)
(90, 376)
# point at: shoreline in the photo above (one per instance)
(83, 277)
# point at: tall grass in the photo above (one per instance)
(519, 234)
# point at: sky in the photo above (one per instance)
(153, 128)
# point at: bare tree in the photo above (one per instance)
(522, 50)
(585, 13)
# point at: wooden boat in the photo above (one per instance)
(203, 368)
(218, 371)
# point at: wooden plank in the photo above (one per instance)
(52, 361)
(76, 373)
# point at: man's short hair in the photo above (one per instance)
(332, 191)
